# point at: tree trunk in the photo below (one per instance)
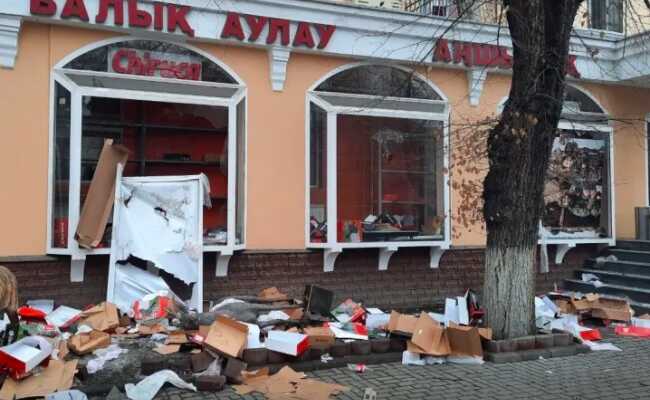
(519, 149)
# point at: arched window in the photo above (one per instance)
(377, 157)
(178, 111)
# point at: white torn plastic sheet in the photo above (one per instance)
(158, 220)
(467, 360)
(451, 311)
(569, 323)
(273, 316)
(135, 284)
(342, 334)
(102, 356)
(438, 317)
(67, 395)
(593, 279)
(230, 300)
(147, 388)
(410, 358)
(157, 224)
(596, 346)
(375, 321)
(642, 323)
(463, 313)
(543, 314)
(431, 360)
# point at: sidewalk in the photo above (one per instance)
(596, 375)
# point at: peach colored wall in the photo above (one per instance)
(276, 139)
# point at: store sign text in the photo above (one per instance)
(233, 28)
(152, 63)
(137, 18)
(486, 55)
(173, 17)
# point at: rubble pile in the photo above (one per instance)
(255, 343)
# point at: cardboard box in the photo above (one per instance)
(103, 317)
(612, 309)
(24, 355)
(57, 376)
(85, 343)
(289, 343)
(430, 336)
(401, 324)
(101, 193)
(320, 337)
(227, 336)
(464, 341)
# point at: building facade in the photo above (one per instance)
(340, 141)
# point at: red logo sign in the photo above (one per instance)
(151, 63)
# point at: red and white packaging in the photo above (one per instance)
(21, 357)
(290, 343)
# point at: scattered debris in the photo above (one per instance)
(147, 388)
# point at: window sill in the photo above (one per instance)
(386, 250)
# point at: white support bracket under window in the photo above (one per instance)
(9, 30)
(435, 254)
(223, 259)
(329, 258)
(385, 254)
(77, 267)
(476, 80)
(278, 60)
(561, 250)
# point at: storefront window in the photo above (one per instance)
(578, 192)
(163, 139)
(388, 149)
(318, 174)
(61, 167)
(240, 218)
(389, 170)
(174, 110)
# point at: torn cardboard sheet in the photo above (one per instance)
(429, 336)
(147, 388)
(99, 200)
(464, 341)
(401, 323)
(85, 343)
(227, 336)
(102, 317)
(287, 384)
(57, 376)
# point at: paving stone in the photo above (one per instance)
(544, 341)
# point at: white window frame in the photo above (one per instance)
(564, 244)
(332, 248)
(77, 92)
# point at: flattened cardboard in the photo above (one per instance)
(101, 193)
(167, 349)
(486, 333)
(320, 337)
(401, 324)
(272, 294)
(464, 341)
(430, 336)
(581, 305)
(613, 309)
(103, 317)
(56, 377)
(227, 336)
(85, 343)
(177, 337)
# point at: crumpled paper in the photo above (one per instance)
(102, 356)
(147, 388)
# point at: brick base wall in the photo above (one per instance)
(408, 283)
